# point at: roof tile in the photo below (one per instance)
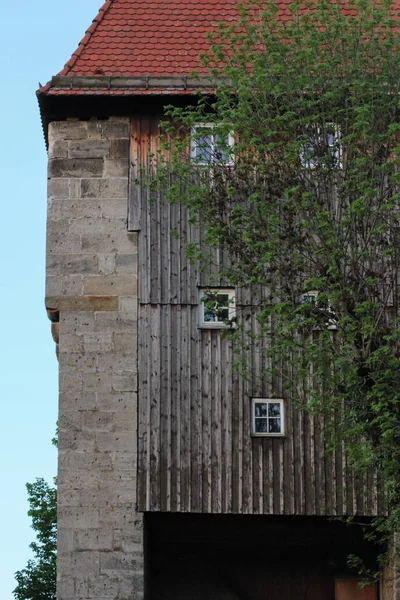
(134, 38)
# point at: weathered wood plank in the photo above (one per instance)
(185, 409)
(174, 384)
(195, 415)
(135, 176)
(165, 410)
(155, 412)
(216, 445)
(144, 410)
(206, 419)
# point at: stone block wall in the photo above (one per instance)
(91, 297)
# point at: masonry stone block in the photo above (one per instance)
(79, 517)
(115, 321)
(125, 263)
(72, 440)
(64, 285)
(71, 342)
(117, 441)
(66, 540)
(61, 208)
(119, 148)
(97, 382)
(94, 539)
(72, 263)
(128, 305)
(77, 401)
(83, 303)
(118, 362)
(106, 242)
(58, 188)
(70, 420)
(126, 382)
(75, 167)
(59, 243)
(76, 321)
(118, 167)
(115, 129)
(116, 187)
(117, 401)
(88, 148)
(109, 284)
(58, 149)
(97, 421)
(68, 382)
(94, 129)
(79, 362)
(98, 342)
(106, 263)
(115, 209)
(124, 342)
(124, 421)
(75, 189)
(67, 130)
(103, 587)
(87, 224)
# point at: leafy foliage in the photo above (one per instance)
(38, 580)
(308, 200)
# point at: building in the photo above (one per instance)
(163, 490)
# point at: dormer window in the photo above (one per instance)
(207, 147)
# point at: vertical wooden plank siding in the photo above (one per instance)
(196, 451)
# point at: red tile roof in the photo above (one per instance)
(148, 37)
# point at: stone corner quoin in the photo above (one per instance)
(91, 298)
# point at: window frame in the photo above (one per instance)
(268, 401)
(230, 292)
(313, 163)
(193, 145)
(331, 323)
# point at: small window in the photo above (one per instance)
(311, 297)
(207, 147)
(216, 307)
(267, 417)
(322, 148)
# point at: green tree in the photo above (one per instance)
(38, 580)
(306, 203)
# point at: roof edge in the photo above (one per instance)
(88, 35)
(77, 82)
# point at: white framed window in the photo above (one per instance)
(208, 147)
(322, 148)
(311, 297)
(216, 307)
(267, 417)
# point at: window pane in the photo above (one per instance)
(260, 409)
(223, 314)
(261, 425)
(222, 149)
(274, 410)
(274, 426)
(203, 144)
(223, 299)
(222, 302)
(209, 315)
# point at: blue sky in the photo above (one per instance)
(37, 38)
